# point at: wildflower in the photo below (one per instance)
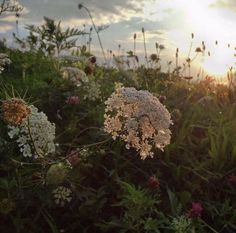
(4, 60)
(181, 224)
(139, 119)
(195, 211)
(153, 182)
(57, 173)
(35, 136)
(92, 90)
(75, 75)
(15, 111)
(72, 100)
(62, 195)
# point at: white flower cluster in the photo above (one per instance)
(35, 136)
(139, 119)
(181, 224)
(62, 195)
(93, 91)
(4, 60)
(75, 75)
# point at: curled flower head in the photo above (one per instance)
(62, 195)
(15, 111)
(181, 224)
(139, 119)
(75, 75)
(56, 173)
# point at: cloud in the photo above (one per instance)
(61, 9)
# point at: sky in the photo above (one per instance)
(167, 22)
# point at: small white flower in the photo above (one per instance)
(93, 91)
(4, 60)
(62, 195)
(35, 136)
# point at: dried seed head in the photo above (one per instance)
(80, 6)
(15, 111)
(198, 50)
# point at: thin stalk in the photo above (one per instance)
(145, 47)
(96, 30)
(31, 138)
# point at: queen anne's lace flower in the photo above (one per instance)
(15, 111)
(62, 195)
(35, 136)
(139, 119)
(75, 75)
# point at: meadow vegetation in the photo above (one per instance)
(123, 148)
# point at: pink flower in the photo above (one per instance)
(73, 100)
(195, 211)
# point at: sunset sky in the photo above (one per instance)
(167, 22)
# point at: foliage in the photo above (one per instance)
(50, 37)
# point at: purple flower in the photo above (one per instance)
(73, 100)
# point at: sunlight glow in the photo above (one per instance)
(208, 24)
(221, 59)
